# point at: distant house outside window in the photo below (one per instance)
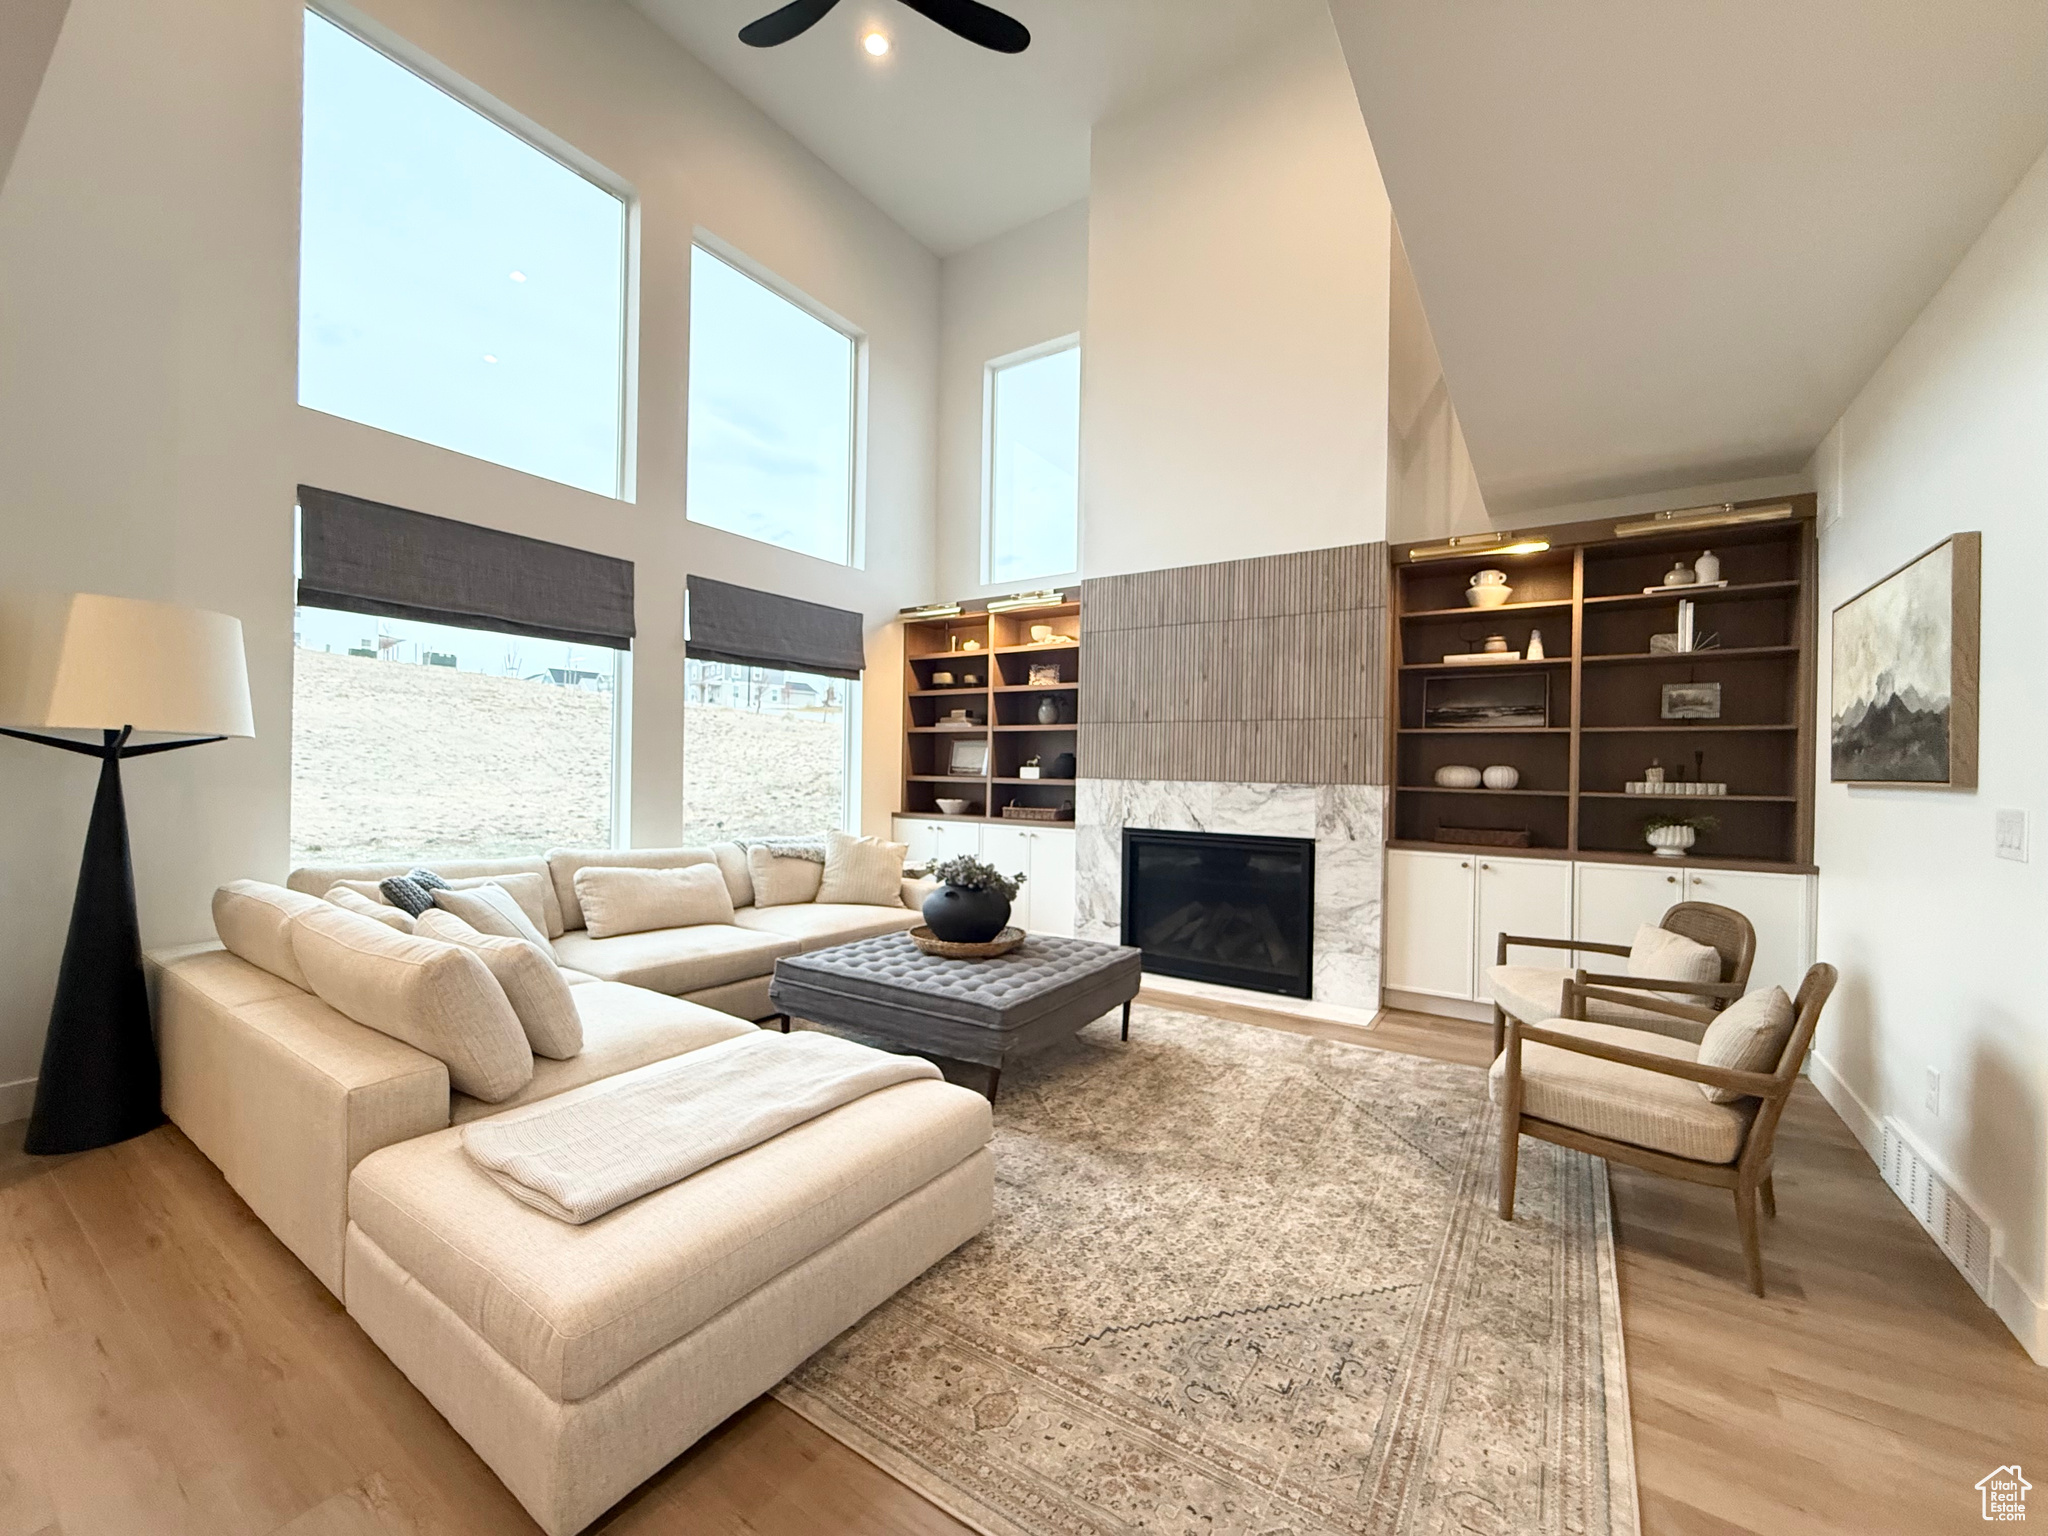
(457, 285)
(1033, 512)
(774, 414)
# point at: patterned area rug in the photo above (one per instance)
(1249, 1283)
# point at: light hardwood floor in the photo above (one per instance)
(167, 1367)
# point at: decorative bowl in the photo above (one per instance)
(1671, 842)
(932, 944)
(1488, 597)
(1458, 776)
(953, 807)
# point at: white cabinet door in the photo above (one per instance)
(1429, 922)
(1009, 849)
(952, 838)
(1779, 907)
(920, 837)
(1052, 882)
(1614, 900)
(1525, 896)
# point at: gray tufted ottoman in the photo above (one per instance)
(886, 991)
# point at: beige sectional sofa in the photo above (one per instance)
(720, 965)
(577, 1360)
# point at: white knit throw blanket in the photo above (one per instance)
(590, 1150)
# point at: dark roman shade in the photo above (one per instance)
(366, 557)
(759, 629)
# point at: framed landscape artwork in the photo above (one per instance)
(1512, 702)
(1904, 698)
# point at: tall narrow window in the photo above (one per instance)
(773, 412)
(1034, 454)
(765, 751)
(456, 284)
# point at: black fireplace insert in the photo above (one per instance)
(1208, 906)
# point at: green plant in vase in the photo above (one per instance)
(972, 902)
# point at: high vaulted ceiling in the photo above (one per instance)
(955, 143)
(1663, 244)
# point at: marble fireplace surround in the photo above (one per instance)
(1347, 821)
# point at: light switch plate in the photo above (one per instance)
(2011, 835)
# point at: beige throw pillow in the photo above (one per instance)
(865, 871)
(1658, 954)
(620, 900)
(535, 987)
(437, 998)
(1749, 1035)
(254, 922)
(780, 882)
(350, 900)
(529, 889)
(490, 908)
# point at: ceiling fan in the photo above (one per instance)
(970, 19)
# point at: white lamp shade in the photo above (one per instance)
(81, 661)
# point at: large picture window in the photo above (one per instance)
(416, 740)
(773, 415)
(1033, 475)
(765, 751)
(457, 284)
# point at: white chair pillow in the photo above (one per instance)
(618, 900)
(534, 985)
(1749, 1035)
(1658, 954)
(865, 871)
(349, 899)
(780, 881)
(437, 998)
(490, 908)
(254, 922)
(529, 888)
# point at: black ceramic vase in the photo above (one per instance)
(962, 916)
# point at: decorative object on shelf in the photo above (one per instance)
(1485, 594)
(1048, 711)
(1496, 645)
(969, 759)
(1654, 774)
(1028, 769)
(1681, 575)
(1458, 776)
(1904, 706)
(1042, 674)
(1479, 658)
(1063, 766)
(952, 807)
(1534, 649)
(1692, 701)
(942, 679)
(1706, 570)
(1671, 836)
(970, 645)
(1064, 811)
(972, 902)
(932, 944)
(1040, 633)
(1489, 578)
(961, 720)
(1519, 702)
(970, 680)
(1501, 776)
(79, 661)
(1486, 837)
(1690, 790)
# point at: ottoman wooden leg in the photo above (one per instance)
(1127, 1021)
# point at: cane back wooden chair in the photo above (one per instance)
(1746, 1130)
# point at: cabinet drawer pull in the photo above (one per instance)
(1464, 864)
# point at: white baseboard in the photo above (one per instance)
(2017, 1307)
(1442, 1007)
(16, 1100)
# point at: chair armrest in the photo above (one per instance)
(1728, 991)
(1758, 1084)
(1579, 987)
(1501, 949)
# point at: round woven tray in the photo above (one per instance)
(931, 944)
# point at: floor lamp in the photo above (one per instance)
(83, 662)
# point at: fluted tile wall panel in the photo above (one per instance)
(1251, 671)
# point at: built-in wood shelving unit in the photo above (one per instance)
(1001, 701)
(1584, 595)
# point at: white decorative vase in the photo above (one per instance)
(1457, 776)
(1671, 842)
(1500, 776)
(1707, 568)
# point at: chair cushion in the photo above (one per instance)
(317, 879)
(623, 1028)
(1623, 1103)
(438, 998)
(254, 922)
(1748, 1036)
(490, 907)
(572, 1307)
(781, 881)
(863, 871)
(532, 982)
(349, 899)
(563, 863)
(1658, 954)
(676, 960)
(1534, 993)
(821, 924)
(616, 901)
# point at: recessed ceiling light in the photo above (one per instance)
(518, 277)
(876, 43)
(490, 357)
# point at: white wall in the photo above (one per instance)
(1235, 394)
(149, 443)
(1432, 492)
(1941, 944)
(1015, 291)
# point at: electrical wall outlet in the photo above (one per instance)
(1933, 1099)
(2010, 830)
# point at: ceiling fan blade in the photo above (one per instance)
(977, 23)
(794, 19)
